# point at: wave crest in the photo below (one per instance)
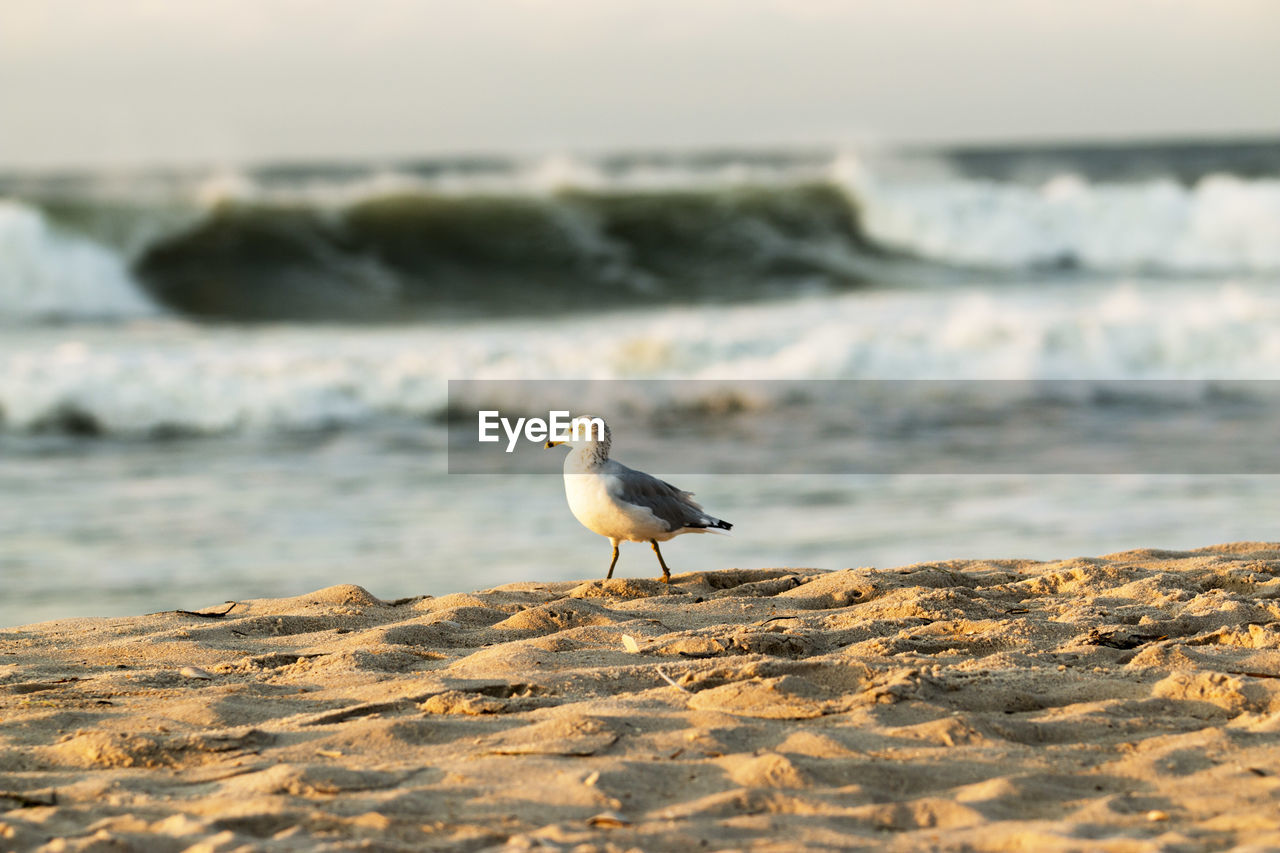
(52, 275)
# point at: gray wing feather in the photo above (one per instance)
(673, 505)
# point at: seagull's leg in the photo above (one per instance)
(666, 573)
(615, 559)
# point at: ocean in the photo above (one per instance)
(221, 384)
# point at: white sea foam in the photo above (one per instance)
(169, 376)
(1220, 224)
(46, 274)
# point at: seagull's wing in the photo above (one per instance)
(673, 505)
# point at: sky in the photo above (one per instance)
(145, 82)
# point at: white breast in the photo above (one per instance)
(598, 511)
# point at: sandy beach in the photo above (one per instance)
(1123, 702)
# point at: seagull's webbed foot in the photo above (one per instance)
(615, 560)
(666, 572)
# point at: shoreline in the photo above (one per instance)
(1126, 702)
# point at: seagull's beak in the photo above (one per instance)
(551, 444)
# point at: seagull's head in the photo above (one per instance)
(584, 431)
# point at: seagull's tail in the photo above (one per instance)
(710, 525)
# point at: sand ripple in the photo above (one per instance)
(1128, 702)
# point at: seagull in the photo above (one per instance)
(621, 503)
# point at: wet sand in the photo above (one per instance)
(1128, 702)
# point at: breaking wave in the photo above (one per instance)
(47, 275)
(1220, 224)
(500, 238)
